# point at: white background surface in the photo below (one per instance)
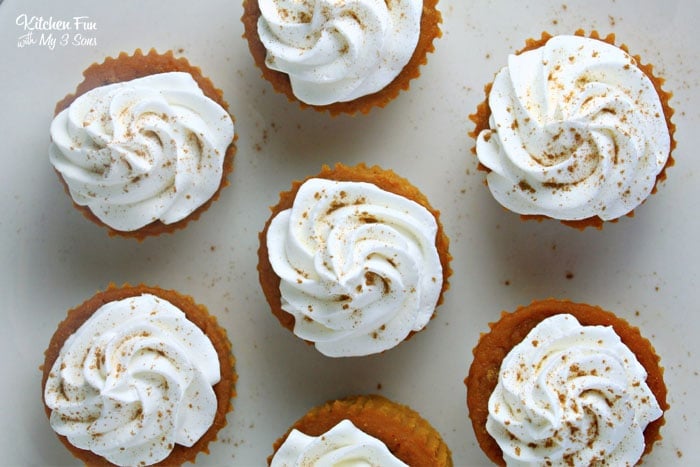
(643, 268)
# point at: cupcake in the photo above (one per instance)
(353, 260)
(138, 375)
(562, 383)
(144, 145)
(370, 430)
(337, 56)
(576, 129)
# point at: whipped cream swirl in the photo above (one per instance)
(577, 130)
(132, 381)
(358, 266)
(571, 395)
(339, 50)
(143, 150)
(342, 445)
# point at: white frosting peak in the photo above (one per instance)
(132, 381)
(358, 266)
(571, 395)
(339, 50)
(577, 130)
(342, 446)
(143, 150)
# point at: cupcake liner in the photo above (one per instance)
(431, 19)
(384, 179)
(407, 435)
(199, 315)
(512, 328)
(127, 67)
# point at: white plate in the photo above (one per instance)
(643, 268)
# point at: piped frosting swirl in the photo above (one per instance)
(571, 395)
(359, 269)
(339, 50)
(135, 379)
(342, 445)
(577, 130)
(144, 150)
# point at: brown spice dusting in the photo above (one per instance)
(525, 186)
(335, 205)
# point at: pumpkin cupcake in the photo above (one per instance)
(353, 260)
(341, 57)
(138, 375)
(562, 383)
(144, 145)
(371, 428)
(576, 129)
